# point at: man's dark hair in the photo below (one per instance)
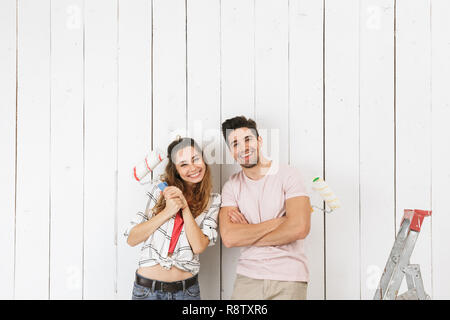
(237, 123)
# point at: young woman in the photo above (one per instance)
(161, 274)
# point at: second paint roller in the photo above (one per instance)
(326, 193)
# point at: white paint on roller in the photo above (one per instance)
(326, 193)
(148, 165)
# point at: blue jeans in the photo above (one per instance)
(144, 293)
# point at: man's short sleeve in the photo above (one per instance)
(294, 186)
(228, 197)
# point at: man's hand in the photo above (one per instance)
(241, 233)
(236, 216)
(296, 226)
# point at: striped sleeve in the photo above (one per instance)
(209, 223)
(143, 216)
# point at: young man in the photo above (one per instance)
(266, 210)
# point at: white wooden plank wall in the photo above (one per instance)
(33, 213)
(100, 149)
(440, 171)
(8, 143)
(377, 222)
(341, 114)
(355, 91)
(66, 198)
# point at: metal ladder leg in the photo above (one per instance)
(393, 260)
(398, 274)
(398, 264)
(409, 280)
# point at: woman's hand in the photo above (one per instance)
(173, 205)
(173, 193)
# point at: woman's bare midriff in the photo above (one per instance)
(157, 272)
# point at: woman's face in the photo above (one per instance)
(190, 165)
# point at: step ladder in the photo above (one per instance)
(398, 264)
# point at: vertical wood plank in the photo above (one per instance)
(8, 143)
(271, 77)
(413, 114)
(135, 32)
(66, 230)
(169, 73)
(306, 121)
(100, 149)
(376, 140)
(203, 101)
(33, 150)
(342, 148)
(238, 58)
(440, 147)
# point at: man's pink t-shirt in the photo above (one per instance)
(261, 200)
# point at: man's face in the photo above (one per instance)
(244, 147)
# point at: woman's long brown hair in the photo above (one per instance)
(197, 196)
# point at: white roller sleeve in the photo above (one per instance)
(148, 164)
(327, 194)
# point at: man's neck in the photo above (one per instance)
(258, 171)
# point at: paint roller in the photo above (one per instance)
(327, 194)
(150, 162)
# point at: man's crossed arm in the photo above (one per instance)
(295, 225)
